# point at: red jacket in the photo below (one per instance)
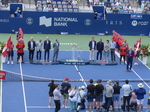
(123, 50)
(20, 46)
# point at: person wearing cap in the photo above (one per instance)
(57, 96)
(31, 48)
(20, 49)
(92, 46)
(99, 88)
(108, 95)
(47, 48)
(81, 94)
(130, 54)
(90, 95)
(140, 92)
(116, 95)
(39, 45)
(123, 50)
(66, 88)
(137, 47)
(127, 88)
(10, 53)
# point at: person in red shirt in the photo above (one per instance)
(123, 50)
(20, 46)
(10, 53)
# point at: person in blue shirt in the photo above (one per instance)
(140, 92)
(17, 13)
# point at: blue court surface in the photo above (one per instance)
(25, 96)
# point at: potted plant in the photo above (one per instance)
(145, 52)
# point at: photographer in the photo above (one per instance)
(116, 95)
(65, 88)
(81, 98)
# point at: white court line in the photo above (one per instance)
(144, 64)
(23, 89)
(135, 72)
(1, 88)
(80, 76)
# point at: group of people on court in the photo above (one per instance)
(98, 96)
(116, 44)
(32, 46)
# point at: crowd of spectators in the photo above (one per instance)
(99, 96)
(119, 7)
(50, 6)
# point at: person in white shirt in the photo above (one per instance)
(39, 45)
(118, 3)
(127, 88)
(31, 48)
(92, 46)
(74, 2)
(56, 9)
(73, 97)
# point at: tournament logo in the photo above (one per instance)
(134, 23)
(87, 22)
(29, 21)
(45, 21)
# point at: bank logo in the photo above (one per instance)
(87, 22)
(45, 21)
(29, 21)
(134, 23)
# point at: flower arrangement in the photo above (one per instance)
(145, 50)
(2, 44)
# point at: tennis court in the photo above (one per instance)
(32, 96)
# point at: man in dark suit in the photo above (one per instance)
(31, 48)
(92, 46)
(47, 48)
(56, 50)
(100, 48)
(130, 54)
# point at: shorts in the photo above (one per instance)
(51, 94)
(116, 97)
(148, 102)
(90, 98)
(66, 96)
(140, 101)
(99, 98)
(20, 54)
(10, 53)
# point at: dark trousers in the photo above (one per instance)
(129, 62)
(99, 52)
(123, 58)
(38, 55)
(57, 104)
(126, 99)
(46, 53)
(82, 106)
(55, 56)
(113, 55)
(108, 101)
(31, 54)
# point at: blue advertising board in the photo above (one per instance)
(80, 23)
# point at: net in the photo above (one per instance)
(11, 76)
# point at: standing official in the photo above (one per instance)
(39, 45)
(31, 48)
(20, 52)
(47, 48)
(10, 53)
(92, 46)
(56, 50)
(100, 48)
(112, 50)
(137, 48)
(130, 54)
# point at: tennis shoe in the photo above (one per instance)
(12, 62)
(8, 62)
(49, 106)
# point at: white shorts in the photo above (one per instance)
(140, 101)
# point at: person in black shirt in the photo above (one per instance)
(99, 94)
(100, 48)
(116, 95)
(52, 87)
(65, 87)
(90, 94)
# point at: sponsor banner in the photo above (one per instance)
(2, 74)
